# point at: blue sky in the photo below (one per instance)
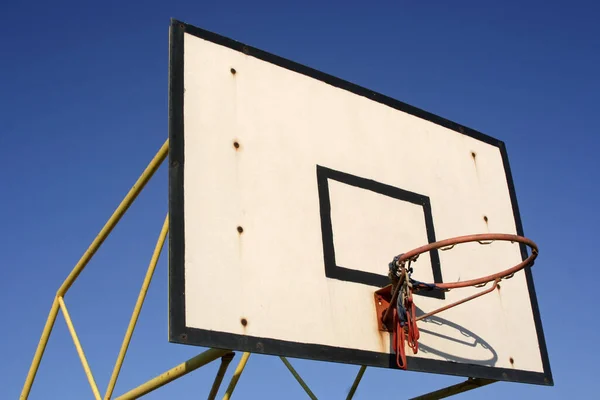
(83, 100)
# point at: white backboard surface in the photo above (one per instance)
(291, 191)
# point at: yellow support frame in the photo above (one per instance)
(299, 379)
(86, 367)
(179, 370)
(236, 376)
(59, 302)
(137, 309)
(164, 378)
(225, 361)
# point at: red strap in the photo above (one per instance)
(412, 333)
(398, 342)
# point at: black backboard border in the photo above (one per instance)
(179, 332)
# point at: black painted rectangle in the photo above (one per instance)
(335, 271)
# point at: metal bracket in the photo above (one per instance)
(383, 298)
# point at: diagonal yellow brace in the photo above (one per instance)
(177, 372)
(138, 308)
(41, 347)
(225, 361)
(100, 238)
(86, 366)
(116, 217)
(236, 376)
(469, 384)
(357, 380)
(299, 379)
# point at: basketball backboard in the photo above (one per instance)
(292, 190)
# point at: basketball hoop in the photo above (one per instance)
(396, 311)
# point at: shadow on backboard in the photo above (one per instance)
(468, 342)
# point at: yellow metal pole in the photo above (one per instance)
(236, 376)
(108, 227)
(138, 308)
(115, 217)
(357, 380)
(299, 379)
(174, 373)
(469, 384)
(225, 361)
(86, 366)
(40, 349)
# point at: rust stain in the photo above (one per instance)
(380, 305)
(240, 243)
(383, 341)
(474, 157)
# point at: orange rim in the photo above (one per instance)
(483, 237)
